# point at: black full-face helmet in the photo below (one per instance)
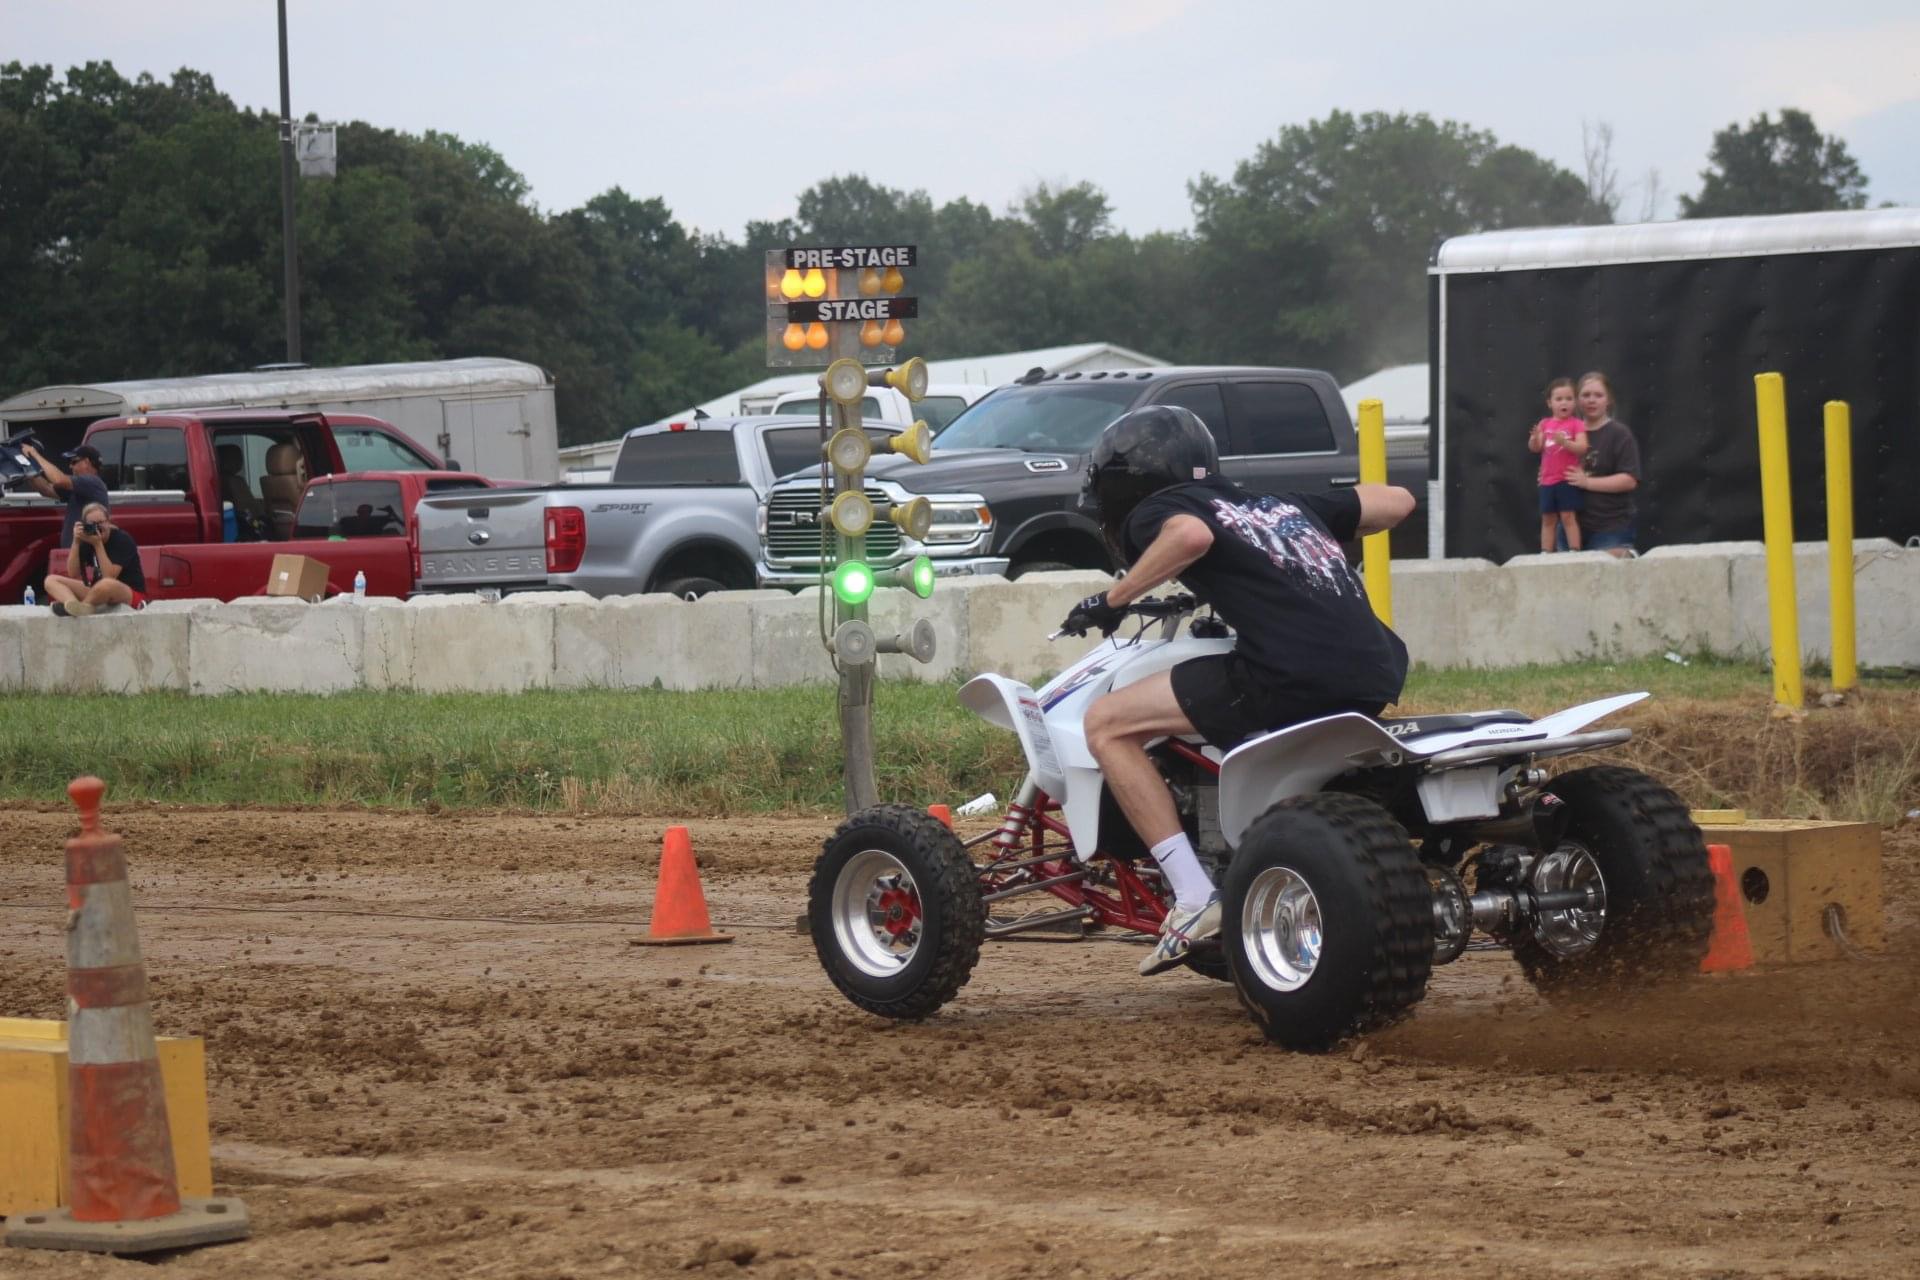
(1140, 453)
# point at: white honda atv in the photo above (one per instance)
(1352, 854)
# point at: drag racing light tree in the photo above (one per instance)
(852, 512)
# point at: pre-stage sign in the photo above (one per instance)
(853, 257)
(832, 309)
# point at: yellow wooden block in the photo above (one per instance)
(33, 1099)
(1718, 817)
(1790, 871)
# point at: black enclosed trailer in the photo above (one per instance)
(1680, 316)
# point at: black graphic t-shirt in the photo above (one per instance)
(1276, 575)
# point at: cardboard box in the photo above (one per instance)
(33, 1099)
(1790, 871)
(301, 576)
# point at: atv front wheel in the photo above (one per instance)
(1635, 838)
(895, 912)
(1328, 921)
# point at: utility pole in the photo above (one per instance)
(288, 239)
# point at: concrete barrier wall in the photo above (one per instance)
(1451, 612)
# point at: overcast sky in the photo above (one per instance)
(728, 110)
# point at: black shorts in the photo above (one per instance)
(1230, 700)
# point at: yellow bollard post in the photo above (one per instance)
(1376, 556)
(1846, 673)
(1776, 498)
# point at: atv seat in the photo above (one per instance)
(1413, 726)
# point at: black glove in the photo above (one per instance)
(1093, 612)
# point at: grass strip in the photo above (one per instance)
(749, 751)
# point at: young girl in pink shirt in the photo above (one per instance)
(1559, 439)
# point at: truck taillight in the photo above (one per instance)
(566, 538)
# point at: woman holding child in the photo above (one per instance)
(1607, 473)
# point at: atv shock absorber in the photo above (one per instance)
(1013, 827)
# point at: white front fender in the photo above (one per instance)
(1009, 704)
(1298, 760)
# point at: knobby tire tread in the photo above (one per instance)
(1398, 911)
(954, 892)
(1662, 931)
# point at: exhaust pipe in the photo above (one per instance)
(1539, 824)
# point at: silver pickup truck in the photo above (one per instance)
(678, 516)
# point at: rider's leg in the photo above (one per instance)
(1118, 727)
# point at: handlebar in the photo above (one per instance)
(1150, 607)
(1168, 607)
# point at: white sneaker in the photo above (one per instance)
(1178, 932)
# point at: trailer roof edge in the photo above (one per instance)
(1542, 248)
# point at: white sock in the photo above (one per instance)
(1191, 886)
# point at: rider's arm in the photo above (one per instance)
(1382, 506)
(1181, 540)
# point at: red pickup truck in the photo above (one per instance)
(361, 522)
(171, 474)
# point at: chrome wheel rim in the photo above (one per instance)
(1570, 931)
(876, 913)
(1280, 929)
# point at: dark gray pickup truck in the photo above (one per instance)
(1005, 475)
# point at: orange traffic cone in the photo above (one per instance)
(122, 1193)
(679, 907)
(943, 813)
(1732, 948)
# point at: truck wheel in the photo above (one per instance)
(1038, 566)
(1328, 921)
(690, 588)
(895, 912)
(1655, 918)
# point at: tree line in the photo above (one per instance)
(140, 237)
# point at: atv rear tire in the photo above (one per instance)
(1328, 921)
(895, 912)
(1652, 861)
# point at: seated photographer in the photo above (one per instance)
(80, 489)
(103, 568)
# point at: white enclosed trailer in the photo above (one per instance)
(488, 415)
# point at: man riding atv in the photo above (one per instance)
(1308, 643)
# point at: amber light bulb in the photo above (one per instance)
(870, 334)
(790, 283)
(817, 336)
(794, 338)
(893, 281)
(815, 284)
(895, 333)
(869, 281)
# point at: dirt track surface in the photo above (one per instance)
(427, 1097)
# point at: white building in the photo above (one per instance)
(1402, 391)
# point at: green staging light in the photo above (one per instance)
(920, 576)
(916, 575)
(853, 582)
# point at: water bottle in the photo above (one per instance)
(229, 523)
(27, 599)
(360, 584)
